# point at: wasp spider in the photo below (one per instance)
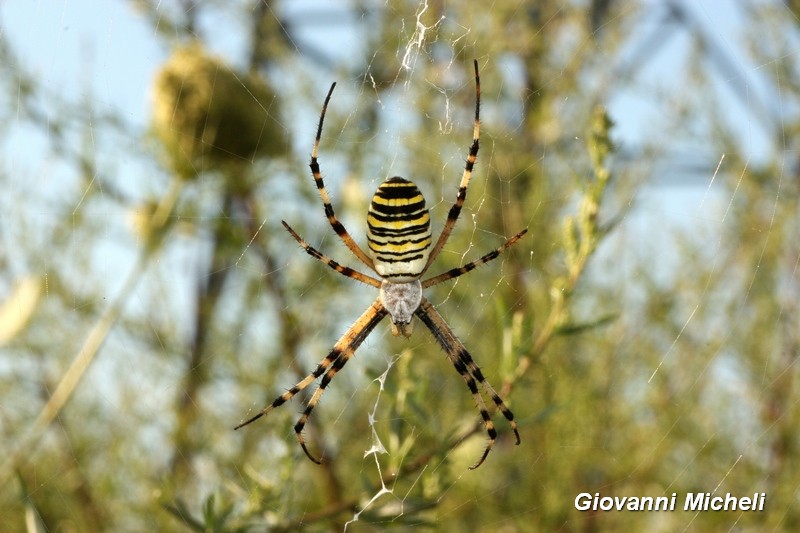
(400, 252)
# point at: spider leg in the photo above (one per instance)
(469, 370)
(337, 226)
(460, 271)
(455, 210)
(343, 270)
(341, 352)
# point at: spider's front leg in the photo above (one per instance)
(469, 370)
(341, 352)
(345, 347)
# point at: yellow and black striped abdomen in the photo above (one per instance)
(399, 230)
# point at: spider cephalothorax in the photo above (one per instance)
(400, 251)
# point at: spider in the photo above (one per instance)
(399, 243)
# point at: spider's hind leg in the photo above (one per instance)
(337, 226)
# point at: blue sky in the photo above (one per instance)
(105, 51)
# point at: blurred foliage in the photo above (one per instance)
(635, 365)
(208, 117)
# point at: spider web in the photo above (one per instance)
(683, 320)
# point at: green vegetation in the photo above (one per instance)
(639, 358)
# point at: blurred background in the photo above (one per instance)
(644, 332)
